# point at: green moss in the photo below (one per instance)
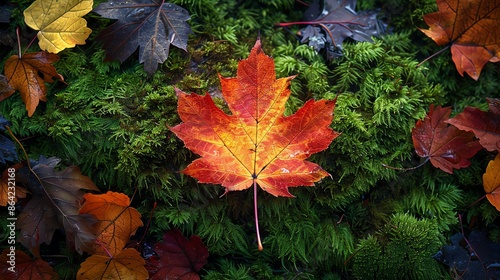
(402, 250)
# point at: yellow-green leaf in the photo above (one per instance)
(59, 22)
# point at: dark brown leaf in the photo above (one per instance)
(55, 204)
(151, 25)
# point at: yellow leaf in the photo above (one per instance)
(59, 22)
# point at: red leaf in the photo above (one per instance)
(446, 146)
(485, 125)
(471, 27)
(256, 144)
(177, 257)
(25, 268)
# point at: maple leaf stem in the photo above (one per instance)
(433, 55)
(18, 43)
(256, 215)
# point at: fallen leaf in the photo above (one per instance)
(151, 25)
(126, 265)
(26, 268)
(474, 257)
(256, 144)
(59, 22)
(8, 151)
(339, 21)
(485, 125)
(117, 221)
(177, 257)
(446, 146)
(54, 205)
(9, 190)
(471, 27)
(28, 74)
(491, 182)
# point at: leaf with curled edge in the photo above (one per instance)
(444, 145)
(151, 25)
(485, 125)
(471, 28)
(28, 74)
(60, 23)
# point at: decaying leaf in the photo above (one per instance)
(335, 22)
(151, 25)
(471, 27)
(126, 265)
(474, 257)
(28, 74)
(485, 125)
(117, 221)
(26, 268)
(446, 146)
(256, 145)
(59, 22)
(491, 182)
(55, 204)
(177, 257)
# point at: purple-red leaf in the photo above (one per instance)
(177, 257)
(485, 125)
(446, 146)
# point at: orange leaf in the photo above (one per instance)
(127, 265)
(9, 190)
(26, 268)
(256, 144)
(117, 221)
(472, 29)
(28, 75)
(491, 182)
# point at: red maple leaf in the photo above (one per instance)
(471, 28)
(17, 265)
(485, 125)
(256, 145)
(444, 145)
(177, 257)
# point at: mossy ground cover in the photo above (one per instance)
(365, 222)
